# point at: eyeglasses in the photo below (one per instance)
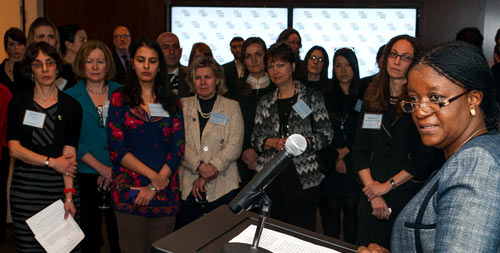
(121, 36)
(403, 57)
(429, 107)
(320, 59)
(36, 64)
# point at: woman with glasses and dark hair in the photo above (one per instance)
(254, 84)
(451, 98)
(95, 69)
(14, 45)
(317, 63)
(43, 131)
(340, 189)
(388, 154)
(214, 135)
(291, 109)
(146, 142)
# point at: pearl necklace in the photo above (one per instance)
(198, 107)
(470, 137)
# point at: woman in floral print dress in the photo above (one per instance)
(146, 141)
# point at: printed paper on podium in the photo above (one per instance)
(278, 242)
(52, 231)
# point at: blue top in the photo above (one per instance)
(93, 138)
(458, 208)
(155, 141)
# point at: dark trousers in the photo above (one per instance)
(330, 208)
(4, 174)
(191, 210)
(292, 204)
(91, 216)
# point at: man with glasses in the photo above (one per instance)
(121, 40)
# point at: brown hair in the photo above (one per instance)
(203, 62)
(202, 48)
(83, 53)
(42, 21)
(376, 97)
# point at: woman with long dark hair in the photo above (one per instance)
(340, 190)
(146, 141)
(317, 63)
(388, 154)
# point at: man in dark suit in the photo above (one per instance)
(169, 43)
(234, 70)
(121, 55)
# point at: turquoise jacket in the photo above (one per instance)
(93, 137)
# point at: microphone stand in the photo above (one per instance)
(264, 204)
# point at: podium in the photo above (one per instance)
(210, 232)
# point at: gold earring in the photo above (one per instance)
(472, 112)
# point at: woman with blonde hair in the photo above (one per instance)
(208, 173)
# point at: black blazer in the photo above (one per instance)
(231, 73)
(184, 88)
(121, 72)
(67, 127)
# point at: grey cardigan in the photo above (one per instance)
(458, 210)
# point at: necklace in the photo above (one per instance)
(96, 93)
(203, 114)
(393, 100)
(470, 137)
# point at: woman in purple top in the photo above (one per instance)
(146, 141)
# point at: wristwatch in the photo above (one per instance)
(152, 187)
(47, 162)
(393, 183)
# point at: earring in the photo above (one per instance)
(472, 112)
(32, 77)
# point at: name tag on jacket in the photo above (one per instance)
(372, 121)
(302, 109)
(34, 119)
(218, 118)
(156, 110)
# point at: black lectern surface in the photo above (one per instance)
(212, 231)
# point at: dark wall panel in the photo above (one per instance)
(100, 17)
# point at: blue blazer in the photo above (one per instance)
(93, 137)
(458, 208)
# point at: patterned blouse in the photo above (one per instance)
(154, 141)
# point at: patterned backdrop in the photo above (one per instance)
(364, 30)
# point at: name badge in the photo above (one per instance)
(218, 118)
(156, 110)
(372, 121)
(302, 109)
(358, 105)
(34, 119)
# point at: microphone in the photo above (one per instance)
(295, 145)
